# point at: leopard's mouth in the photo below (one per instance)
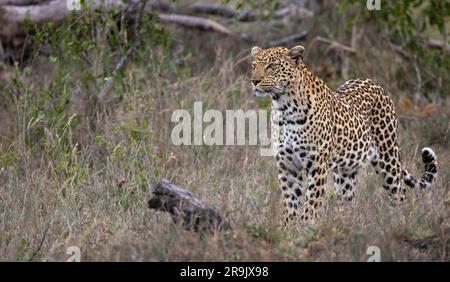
(260, 93)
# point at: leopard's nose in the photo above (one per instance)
(256, 81)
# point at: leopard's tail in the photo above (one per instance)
(430, 175)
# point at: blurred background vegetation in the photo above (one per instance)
(85, 105)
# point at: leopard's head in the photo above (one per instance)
(274, 69)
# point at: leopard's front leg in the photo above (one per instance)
(290, 180)
(317, 175)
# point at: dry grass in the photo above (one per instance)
(83, 181)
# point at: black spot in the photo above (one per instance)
(389, 180)
(301, 121)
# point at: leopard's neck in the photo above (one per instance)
(306, 96)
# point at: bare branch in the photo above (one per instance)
(110, 79)
(436, 43)
(195, 22)
(334, 45)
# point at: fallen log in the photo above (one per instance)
(186, 209)
(13, 16)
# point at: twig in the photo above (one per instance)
(110, 79)
(334, 45)
(41, 243)
(123, 60)
(436, 43)
(195, 22)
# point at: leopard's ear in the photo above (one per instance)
(296, 52)
(255, 51)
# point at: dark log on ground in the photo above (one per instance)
(186, 209)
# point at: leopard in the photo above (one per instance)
(315, 131)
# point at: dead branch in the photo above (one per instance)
(186, 209)
(14, 15)
(334, 45)
(110, 79)
(121, 64)
(14, 12)
(21, 2)
(440, 44)
(195, 22)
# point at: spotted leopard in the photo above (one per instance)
(316, 130)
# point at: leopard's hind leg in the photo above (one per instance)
(387, 159)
